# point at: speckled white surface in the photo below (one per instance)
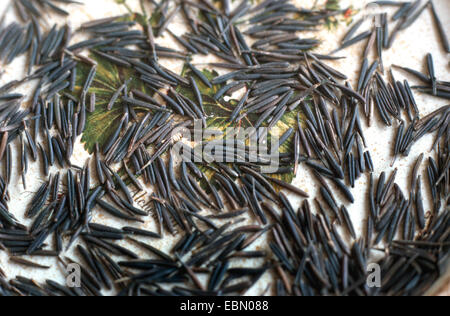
(409, 50)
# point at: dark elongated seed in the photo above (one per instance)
(442, 33)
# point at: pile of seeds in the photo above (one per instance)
(206, 204)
